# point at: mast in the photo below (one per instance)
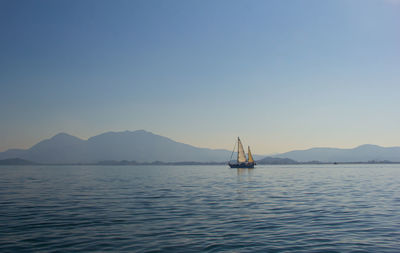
(251, 160)
(241, 155)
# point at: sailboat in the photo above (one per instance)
(242, 161)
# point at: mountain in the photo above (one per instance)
(140, 146)
(276, 160)
(62, 148)
(363, 153)
(143, 146)
(16, 161)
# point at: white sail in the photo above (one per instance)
(241, 155)
(251, 160)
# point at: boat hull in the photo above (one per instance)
(242, 165)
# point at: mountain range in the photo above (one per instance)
(363, 153)
(139, 146)
(145, 147)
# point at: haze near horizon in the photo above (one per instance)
(283, 75)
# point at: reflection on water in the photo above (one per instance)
(301, 208)
(244, 172)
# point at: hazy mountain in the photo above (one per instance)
(276, 160)
(363, 153)
(16, 161)
(143, 146)
(140, 146)
(62, 148)
(12, 153)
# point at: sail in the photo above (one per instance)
(241, 155)
(251, 160)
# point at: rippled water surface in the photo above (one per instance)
(312, 208)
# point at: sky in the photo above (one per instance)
(281, 74)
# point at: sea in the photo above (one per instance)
(272, 208)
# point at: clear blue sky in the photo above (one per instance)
(281, 74)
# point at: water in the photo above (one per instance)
(307, 208)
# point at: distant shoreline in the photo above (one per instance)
(22, 162)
